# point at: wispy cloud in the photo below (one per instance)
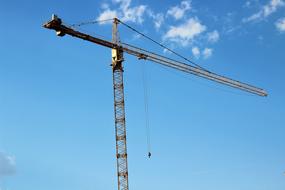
(179, 11)
(247, 4)
(158, 18)
(265, 11)
(189, 33)
(196, 52)
(107, 14)
(213, 37)
(207, 53)
(7, 165)
(280, 25)
(185, 33)
(250, 3)
(125, 11)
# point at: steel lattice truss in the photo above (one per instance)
(120, 127)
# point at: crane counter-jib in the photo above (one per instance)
(56, 24)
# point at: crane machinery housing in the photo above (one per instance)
(118, 48)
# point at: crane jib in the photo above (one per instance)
(61, 30)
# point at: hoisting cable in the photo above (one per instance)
(161, 45)
(147, 127)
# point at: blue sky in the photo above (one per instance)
(56, 101)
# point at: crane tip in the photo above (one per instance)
(265, 94)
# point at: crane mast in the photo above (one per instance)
(118, 85)
(119, 109)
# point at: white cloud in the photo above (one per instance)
(208, 52)
(105, 6)
(158, 18)
(260, 38)
(247, 4)
(185, 33)
(124, 4)
(196, 52)
(280, 25)
(134, 14)
(213, 37)
(188, 32)
(108, 14)
(251, 3)
(178, 12)
(7, 165)
(125, 12)
(265, 11)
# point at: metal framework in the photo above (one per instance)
(61, 30)
(119, 108)
(117, 66)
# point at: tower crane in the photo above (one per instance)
(118, 50)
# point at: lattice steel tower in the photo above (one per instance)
(119, 108)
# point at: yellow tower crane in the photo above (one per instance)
(118, 49)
